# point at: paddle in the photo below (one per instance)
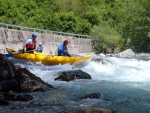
(8, 55)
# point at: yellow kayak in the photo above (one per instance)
(47, 59)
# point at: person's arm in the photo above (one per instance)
(24, 46)
(37, 49)
(29, 41)
(67, 54)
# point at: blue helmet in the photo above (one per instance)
(34, 35)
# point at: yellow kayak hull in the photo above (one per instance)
(47, 59)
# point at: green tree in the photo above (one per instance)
(137, 27)
(106, 39)
(122, 18)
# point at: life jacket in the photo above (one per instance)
(31, 46)
(61, 49)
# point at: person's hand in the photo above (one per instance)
(65, 51)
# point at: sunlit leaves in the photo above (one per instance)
(114, 19)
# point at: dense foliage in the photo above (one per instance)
(113, 24)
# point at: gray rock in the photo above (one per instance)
(72, 75)
(127, 53)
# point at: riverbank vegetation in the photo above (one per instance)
(113, 24)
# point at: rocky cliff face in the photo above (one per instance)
(16, 38)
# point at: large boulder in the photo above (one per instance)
(19, 79)
(14, 78)
(72, 75)
(127, 53)
(6, 70)
(29, 82)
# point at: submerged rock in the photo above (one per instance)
(15, 97)
(7, 85)
(92, 96)
(2, 100)
(92, 110)
(101, 60)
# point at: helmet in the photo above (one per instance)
(40, 43)
(66, 42)
(34, 35)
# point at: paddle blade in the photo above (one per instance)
(8, 55)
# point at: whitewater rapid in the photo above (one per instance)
(124, 83)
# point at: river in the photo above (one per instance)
(124, 84)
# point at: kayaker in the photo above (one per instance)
(63, 50)
(40, 48)
(30, 44)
